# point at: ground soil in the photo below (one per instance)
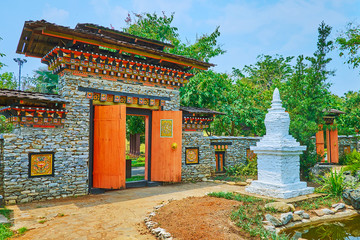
(196, 218)
(113, 215)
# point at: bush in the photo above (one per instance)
(332, 183)
(249, 169)
(352, 158)
(5, 127)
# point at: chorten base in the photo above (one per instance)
(279, 190)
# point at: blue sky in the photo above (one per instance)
(248, 28)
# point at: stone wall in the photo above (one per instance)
(236, 153)
(206, 166)
(351, 141)
(70, 144)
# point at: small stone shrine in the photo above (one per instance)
(278, 157)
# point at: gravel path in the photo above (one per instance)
(113, 215)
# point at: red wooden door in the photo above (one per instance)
(109, 147)
(166, 146)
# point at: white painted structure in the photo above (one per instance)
(278, 157)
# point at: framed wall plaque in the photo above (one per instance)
(41, 164)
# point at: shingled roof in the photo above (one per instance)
(6, 95)
(200, 110)
(39, 37)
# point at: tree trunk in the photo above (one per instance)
(135, 144)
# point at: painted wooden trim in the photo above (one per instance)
(220, 143)
(86, 89)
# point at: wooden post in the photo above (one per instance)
(334, 147)
(320, 150)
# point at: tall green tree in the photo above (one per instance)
(349, 123)
(306, 94)
(45, 82)
(349, 45)
(7, 80)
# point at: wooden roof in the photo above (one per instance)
(7, 96)
(197, 110)
(39, 37)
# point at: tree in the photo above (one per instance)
(349, 45)
(7, 80)
(160, 28)
(306, 94)
(349, 123)
(135, 127)
(45, 81)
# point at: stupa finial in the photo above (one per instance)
(276, 95)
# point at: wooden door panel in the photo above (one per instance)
(165, 158)
(109, 147)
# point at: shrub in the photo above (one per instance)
(332, 183)
(237, 170)
(5, 127)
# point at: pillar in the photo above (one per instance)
(320, 150)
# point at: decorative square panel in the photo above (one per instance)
(110, 98)
(129, 100)
(152, 102)
(162, 103)
(96, 96)
(141, 101)
(116, 98)
(123, 99)
(103, 97)
(89, 95)
(191, 156)
(166, 128)
(41, 164)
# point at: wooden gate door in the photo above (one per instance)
(166, 146)
(109, 147)
(220, 161)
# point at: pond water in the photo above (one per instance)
(348, 229)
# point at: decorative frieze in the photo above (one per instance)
(59, 59)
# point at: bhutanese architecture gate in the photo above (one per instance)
(73, 142)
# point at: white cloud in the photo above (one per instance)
(55, 15)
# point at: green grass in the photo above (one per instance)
(250, 215)
(135, 178)
(6, 212)
(5, 231)
(316, 203)
(22, 230)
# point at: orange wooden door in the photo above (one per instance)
(109, 147)
(166, 141)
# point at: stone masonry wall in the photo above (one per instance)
(351, 141)
(206, 166)
(70, 144)
(236, 153)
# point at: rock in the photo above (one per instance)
(306, 216)
(217, 181)
(292, 208)
(274, 221)
(300, 212)
(327, 211)
(347, 173)
(286, 218)
(204, 179)
(270, 228)
(355, 199)
(339, 206)
(297, 217)
(279, 206)
(241, 183)
(3, 219)
(346, 196)
(352, 197)
(231, 183)
(248, 181)
(350, 179)
(319, 213)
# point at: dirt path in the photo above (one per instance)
(113, 215)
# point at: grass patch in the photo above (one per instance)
(22, 230)
(250, 215)
(135, 178)
(42, 221)
(6, 212)
(5, 231)
(316, 203)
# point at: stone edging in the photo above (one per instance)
(317, 220)
(154, 228)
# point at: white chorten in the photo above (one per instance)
(278, 157)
